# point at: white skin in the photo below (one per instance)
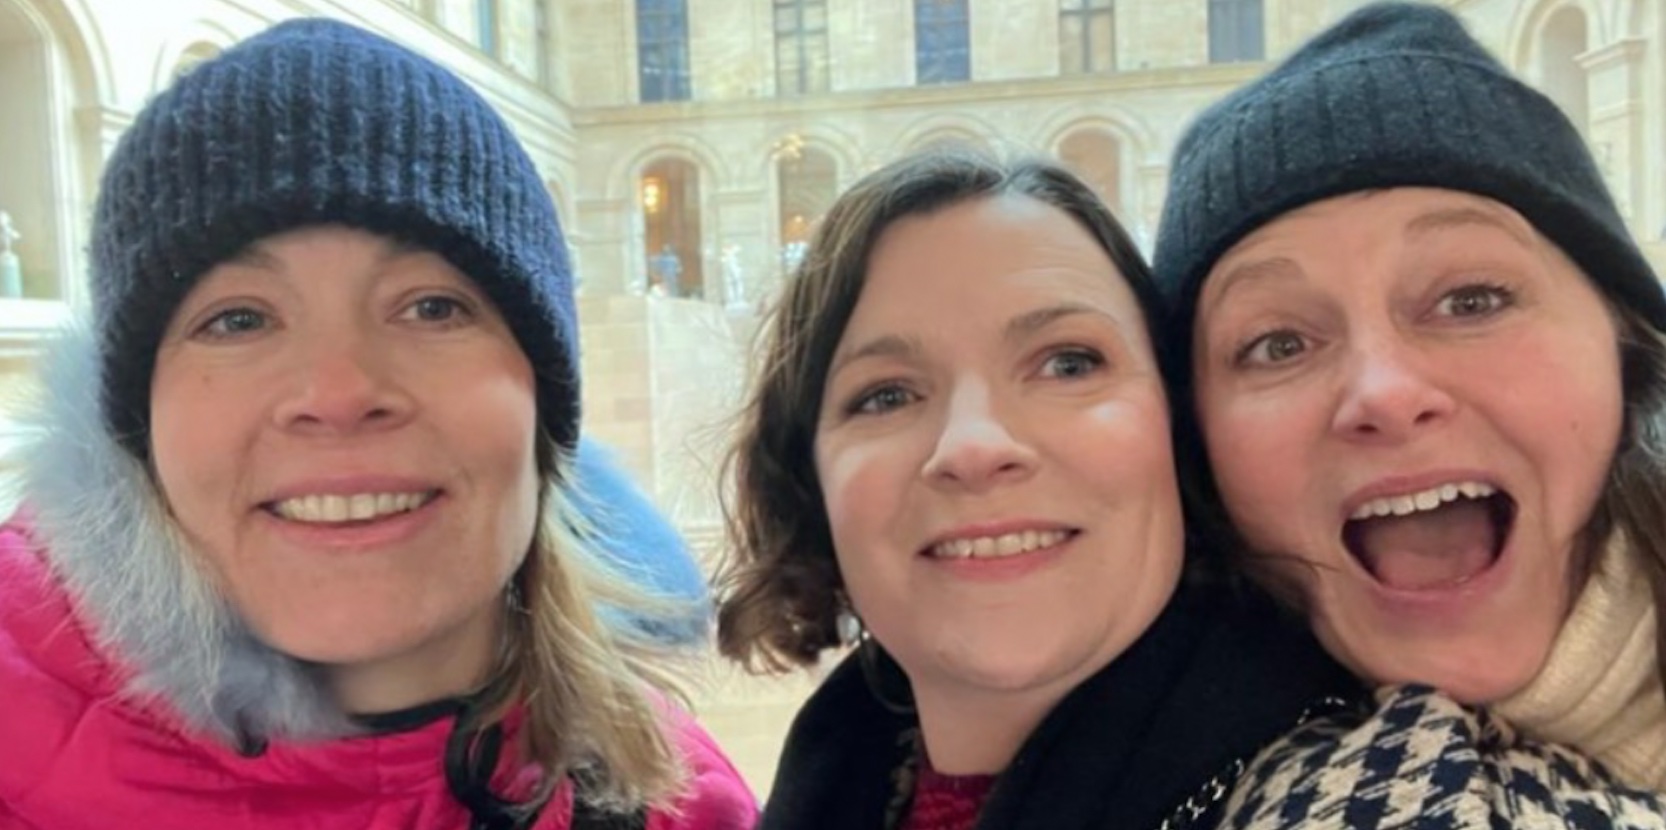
(329, 361)
(1383, 342)
(994, 377)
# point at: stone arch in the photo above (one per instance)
(194, 44)
(49, 76)
(932, 130)
(1122, 169)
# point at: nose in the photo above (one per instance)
(976, 448)
(343, 386)
(1389, 393)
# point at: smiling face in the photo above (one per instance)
(994, 452)
(344, 431)
(1416, 395)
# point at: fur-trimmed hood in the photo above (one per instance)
(110, 540)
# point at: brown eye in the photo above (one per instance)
(1474, 301)
(1272, 348)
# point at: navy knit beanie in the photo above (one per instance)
(317, 122)
(1396, 94)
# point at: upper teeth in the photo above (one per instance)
(1422, 500)
(357, 507)
(1007, 544)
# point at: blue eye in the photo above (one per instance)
(880, 400)
(437, 309)
(234, 322)
(1072, 363)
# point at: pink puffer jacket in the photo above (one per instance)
(76, 755)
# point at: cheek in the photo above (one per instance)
(194, 442)
(861, 490)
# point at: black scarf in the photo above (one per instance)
(1165, 727)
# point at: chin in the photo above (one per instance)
(1464, 678)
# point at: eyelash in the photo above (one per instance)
(1095, 360)
(213, 328)
(864, 402)
(457, 305)
(1501, 296)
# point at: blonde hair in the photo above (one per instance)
(593, 686)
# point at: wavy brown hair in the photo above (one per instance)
(779, 584)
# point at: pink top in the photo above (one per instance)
(947, 802)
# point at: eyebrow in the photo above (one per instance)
(1459, 217)
(890, 345)
(1018, 328)
(1278, 267)
(1031, 322)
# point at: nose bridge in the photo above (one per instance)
(1388, 388)
(342, 379)
(976, 439)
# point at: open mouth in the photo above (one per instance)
(348, 510)
(1434, 539)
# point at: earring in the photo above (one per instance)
(848, 626)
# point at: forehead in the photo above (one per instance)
(981, 253)
(1332, 233)
(1397, 210)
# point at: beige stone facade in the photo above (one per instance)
(729, 179)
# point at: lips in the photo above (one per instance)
(1436, 538)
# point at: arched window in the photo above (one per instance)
(942, 50)
(1236, 32)
(1562, 41)
(1087, 36)
(1096, 156)
(809, 182)
(194, 55)
(662, 49)
(669, 195)
(949, 138)
(802, 64)
(34, 253)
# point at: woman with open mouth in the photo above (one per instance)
(300, 543)
(956, 458)
(1423, 358)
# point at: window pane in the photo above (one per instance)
(1103, 40)
(1072, 57)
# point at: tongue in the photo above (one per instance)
(1428, 549)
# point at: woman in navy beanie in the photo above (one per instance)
(302, 544)
(1422, 363)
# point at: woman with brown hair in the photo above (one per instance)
(956, 459)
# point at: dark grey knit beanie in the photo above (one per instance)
(317, 122)
(1396, 94)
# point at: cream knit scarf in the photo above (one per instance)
(1600, 690)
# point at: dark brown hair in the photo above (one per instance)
(780, 584)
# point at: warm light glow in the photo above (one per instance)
(652, 195)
